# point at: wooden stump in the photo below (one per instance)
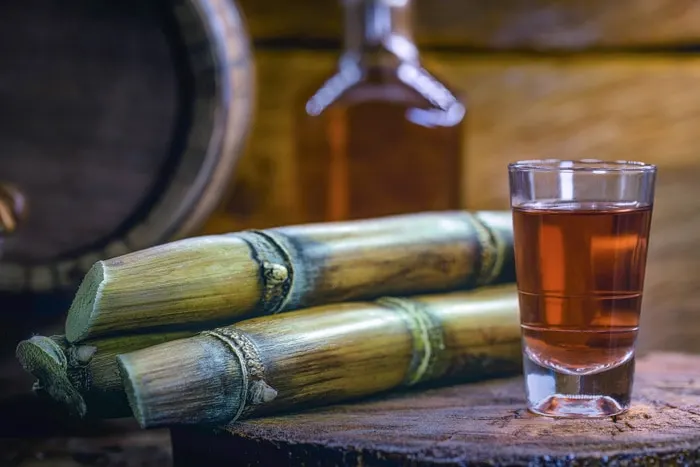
(471, 424)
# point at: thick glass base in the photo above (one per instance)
(555, 394)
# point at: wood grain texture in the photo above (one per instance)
(670, 320)
(148, 109)
(636, 108)
(100, 445)
(474, 424)
(611, 107)
(107, 81)
(502, 24)
(614, 107)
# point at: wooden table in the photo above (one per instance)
(456, 425)
(478, 424)
(36, 432)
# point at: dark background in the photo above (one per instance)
(576, 79)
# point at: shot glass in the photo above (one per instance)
(581, 236)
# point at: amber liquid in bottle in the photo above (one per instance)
(580, 278)
(381, 136)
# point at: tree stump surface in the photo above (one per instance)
(471, 424)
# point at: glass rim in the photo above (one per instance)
(581, 165)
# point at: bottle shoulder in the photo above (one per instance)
(407, 84)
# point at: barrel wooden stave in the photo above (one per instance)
(136, 139)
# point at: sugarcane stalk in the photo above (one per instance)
(202, 282)
(322, 355)
(84, 377)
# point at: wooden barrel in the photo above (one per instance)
(471, 424)
(121, 124)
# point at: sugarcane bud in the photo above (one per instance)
(275, 272)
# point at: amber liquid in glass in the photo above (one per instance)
(580, 273)
(381, 148)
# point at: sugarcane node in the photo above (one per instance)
(193, 282)
(322, 355)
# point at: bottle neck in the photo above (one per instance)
(378, 32)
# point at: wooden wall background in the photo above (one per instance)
(563, 79)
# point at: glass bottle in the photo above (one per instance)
(381, 135)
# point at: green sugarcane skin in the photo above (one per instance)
(322, 355)
(416, 340)
(203, 282)
(84, 377)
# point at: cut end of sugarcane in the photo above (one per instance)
(85, 304)
(127, 373)
(183, 382)
(46, 360)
